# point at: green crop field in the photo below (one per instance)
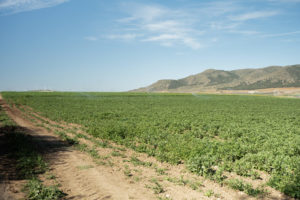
(210, 134)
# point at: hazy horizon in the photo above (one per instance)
(72, 45)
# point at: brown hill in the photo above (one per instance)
(242, 79)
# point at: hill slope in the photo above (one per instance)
(243, 79)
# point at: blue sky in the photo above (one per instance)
(118, 45)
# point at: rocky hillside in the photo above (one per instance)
(243, 79)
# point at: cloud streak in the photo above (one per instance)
(16, 6)
(282, 34)
(254, 15)
(192, 26)
(128, 36)
(161, 25)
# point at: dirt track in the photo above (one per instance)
(81, 178)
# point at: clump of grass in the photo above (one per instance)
(209, 193)
(37, 191)
(103, 144)
(29, 164)
(120, 148)
(79, 135)
(65, 137)
(82, 147)
(182, 181)
(93, 152)
(164, 198)
(160, 171)
(254, 175)
(127, 171)
(244, 187)
(118, 154)
(135, 161)
(195, 185)
(100, 162)
(110, 163)
(51, 177)
(156, 186)
(137, 178)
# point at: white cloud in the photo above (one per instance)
(128, 36)
(148, 13)
(194, 26)
(169, 40)
(168, 27)
(142, 12)
(15, 6)
(221, 25)
(163, 37)
(191, 42)
(254, 15)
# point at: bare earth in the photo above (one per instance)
(82, 177)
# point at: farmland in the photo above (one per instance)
(211, 135)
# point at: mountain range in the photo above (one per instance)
(241, 79)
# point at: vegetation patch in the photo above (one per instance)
(37, 191)
(210, 134)
(156, 186)
(244, 187)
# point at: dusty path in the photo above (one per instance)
(65, 162)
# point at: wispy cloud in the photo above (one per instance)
(192, 42)
(143, 12)
(162, 25)
(16, 6)
(217, 8)
(129, 36)
(163, 37)
(254, 15)
(245, 32)
(193, 26)
(224, 25)
(169, 40)
(282, 34)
